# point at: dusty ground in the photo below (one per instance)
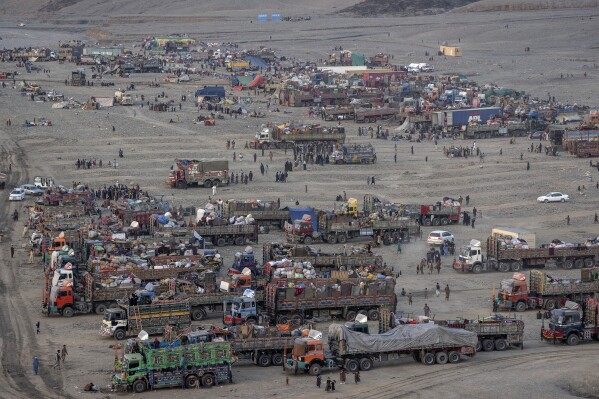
(501, 188)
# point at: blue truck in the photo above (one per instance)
(211, 92)
(462, 117)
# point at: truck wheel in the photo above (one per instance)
(366, 364)
(198, 314)
(573, 340)
(426, 222)
(568, 264)
(315, 369)
(139, 386)
(181, 184)
(331, 238)
(341, 238)
(477, 268)
(579, 263)
(428, 359)
(207, 380)
(351, 315)
(479, 346)
(374, 315)
(297, 319)
(454, 357)
(516, 266)
(352, 365)
(283, 319)
(100, 308)
(588, 262)
(68, 312)
(488, 345)
(501, 344)
(436, 222)
(307, 240)
(521, 306)
(504, 267)
(264, 360)
(208, 184)
(120, 334)
(550, 304)
(444, 221)
(441, 358)
(221, 242)
(239, 241)
(277, 359)
(192, 381)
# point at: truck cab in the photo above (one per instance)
(61, 301)
(132, 369)
(307, 355)
(60, 275)
(241, 310)
(301, 230)
(245, 260)
(564, 325)
(513, 295)
(471, 258)
(349, 208)
(115, 323)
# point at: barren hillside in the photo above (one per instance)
(403, 7)
(526, 5)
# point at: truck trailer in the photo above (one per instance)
(286, 136)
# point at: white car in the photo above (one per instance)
(554, 197)
(18, 194)
(438, 237)
(32, 189)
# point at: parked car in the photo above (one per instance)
(554, 197)
(18, 194)
(536, 135)
(32, 189)
(438, 237)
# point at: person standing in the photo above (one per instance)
(467, 200)
(425, 293)
(37, 327)
(357, 377)
(567, 223)
(427, 310)
(30, 256)
(328, 385)
(342, 376)
(437, 290)
(12, 248)
(63, 353)
(447, 292)
(333, 385)
(409, 298)
(399, 244)
(36, 365)
(214, 190)
(318, 380)
(57, 359)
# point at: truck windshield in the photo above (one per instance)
(299, 350)
(110, 315)
(557, 319)
(465, 252)
(507, 285)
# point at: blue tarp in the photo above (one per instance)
(256, 61)
(298, 213)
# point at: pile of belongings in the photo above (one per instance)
(560, 244)
(285, 268)
(592, 242)
(165, 220)
(513, 243)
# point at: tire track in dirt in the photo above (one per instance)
(16, 328)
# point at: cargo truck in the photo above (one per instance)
(463, 117)
(199, 173)
(285, 136)
(230, 234)
(544, 291)
(333, 228)
(371, 115)
(514, 250)
(567, 326)
(354, 154)
(439, 214)
(174, 365)
(354, 349)
(478, 131)
(265, 213)
(129, 319)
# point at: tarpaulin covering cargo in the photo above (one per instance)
(403, 337)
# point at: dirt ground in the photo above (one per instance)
(502, 189)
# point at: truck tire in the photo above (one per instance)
(366, 364)
(573, 340)
(479, 346)
(521, 306)
(550, 304)
(283, 319)
(100, 308)
(68, 311)
(208, 184)
(588, 262)
(453, 357)
(315, 369)
(374, 314)
(120, 334)
(192, 381)
(239, 241)
(568, 264)
(579, 263)
(444, 221)
(208, 380)
(441, 357)
(181, 184)
(342, 238)
(264, 360)
(139, 386)
(221, 242)
(278, 359)
(436, 222)
(351, 315)
(477, 268)
(488, 345)
(297, 318)
(252, 320)
(501, 344)
(426, 222)
(198, 314)
(504, 267)
(332, 238)
(516, 266)
(428, 359)
(307, 240)
(352, 365)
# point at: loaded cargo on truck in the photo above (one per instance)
(353, 348)
(513, 249)
(265, 213)
(544, 291)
